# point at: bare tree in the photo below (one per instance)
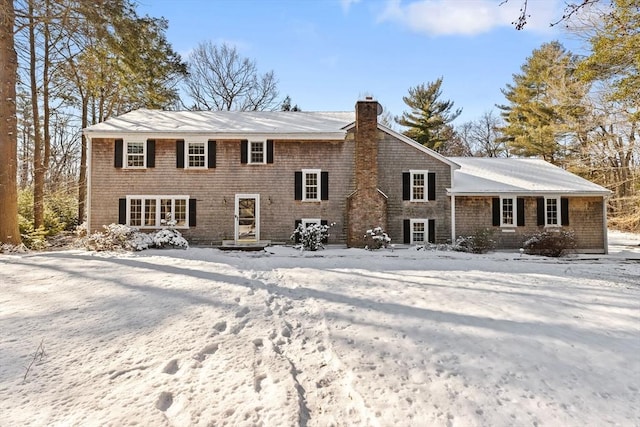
(570, 9)
(220, 79)
(9, 232)
(483, 136)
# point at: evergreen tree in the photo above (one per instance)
(429, 116)
(545, 102)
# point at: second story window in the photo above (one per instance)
(197, 154)
(418, 186)
(311, 183)
(135, 154)
(257, 151)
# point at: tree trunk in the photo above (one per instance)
(9, 232)
(38, 166)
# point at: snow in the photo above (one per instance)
(203, 337)
(515, 175)
(214, 123)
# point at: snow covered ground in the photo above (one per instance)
(338, 337)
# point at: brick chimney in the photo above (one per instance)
(367, 206)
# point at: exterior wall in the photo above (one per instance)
(397, 157)
(585, 219)
(215, 189)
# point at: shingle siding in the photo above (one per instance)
(215, 189)
(585, 219)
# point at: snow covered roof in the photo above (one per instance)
(522, 176)
(229, 124)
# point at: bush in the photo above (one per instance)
(121, 237)
(479, 242)
(376, 239)
(310, 238)
(550, 243)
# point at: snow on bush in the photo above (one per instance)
(310, 238)
(376, 239)
(122, 237)
(550, 243)
(479, 242)
(6, 248)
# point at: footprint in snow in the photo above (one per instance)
(242, 312)
(171, 367)
(207, 350)
(165, 400)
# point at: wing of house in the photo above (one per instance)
(252, 176)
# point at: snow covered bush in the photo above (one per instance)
(376, 239)
(169, 237)
(122, 237)
(479, 242)
(550, 243)
(6, 248)
(311, 237)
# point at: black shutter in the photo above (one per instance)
(432, 231)
(520, 208)
(431, 185)
(117, 154)
(180, 154)
(406, 230)
(564, 210)
(192, 212)
(211, 154)
(541, 212)
(269, 151)
(297, 236)
(325, 240)
(151, 153)
(324, 185)
(495, 211)
(244, 149)
(298, 185)
(122, 211)
(406, 186)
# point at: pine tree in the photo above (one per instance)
(429, 116)
(545, 102)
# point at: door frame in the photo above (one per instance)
(236, 230)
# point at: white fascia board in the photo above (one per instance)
(208, 135)
(525, 193)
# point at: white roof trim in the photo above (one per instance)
(215, 136)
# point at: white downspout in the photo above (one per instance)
(87, 204)
(453, 218)
(605, 226)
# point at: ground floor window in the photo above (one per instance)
(157, 211)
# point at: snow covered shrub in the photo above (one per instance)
(312, 237)
(550, 243)
(376, 239)
(6, 248)
(117, 237)
(479, 242)
(169, 237)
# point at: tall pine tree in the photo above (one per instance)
(429, 117)
(545, 100)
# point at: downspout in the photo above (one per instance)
(605, 226)
(453, 218)
(88, 193)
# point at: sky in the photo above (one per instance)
(327, 54)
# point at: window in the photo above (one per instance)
(157, 211)
(196, 155)
(311, 184)
(508, 212)
(306, 222)
(418, 231)
(135, 155)
(552, 212)
(257, 151)
(418, 185)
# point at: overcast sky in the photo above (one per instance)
(328, 53)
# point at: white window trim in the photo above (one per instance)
(309, 221)
(414, 221)
(125, 154)
(318, 173)
(515, 212)
(559, 213)
(186, 155)
(264, 151)
(157, 199)
(426, 185)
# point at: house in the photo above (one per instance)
(240, 177)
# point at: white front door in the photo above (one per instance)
(247, 215)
